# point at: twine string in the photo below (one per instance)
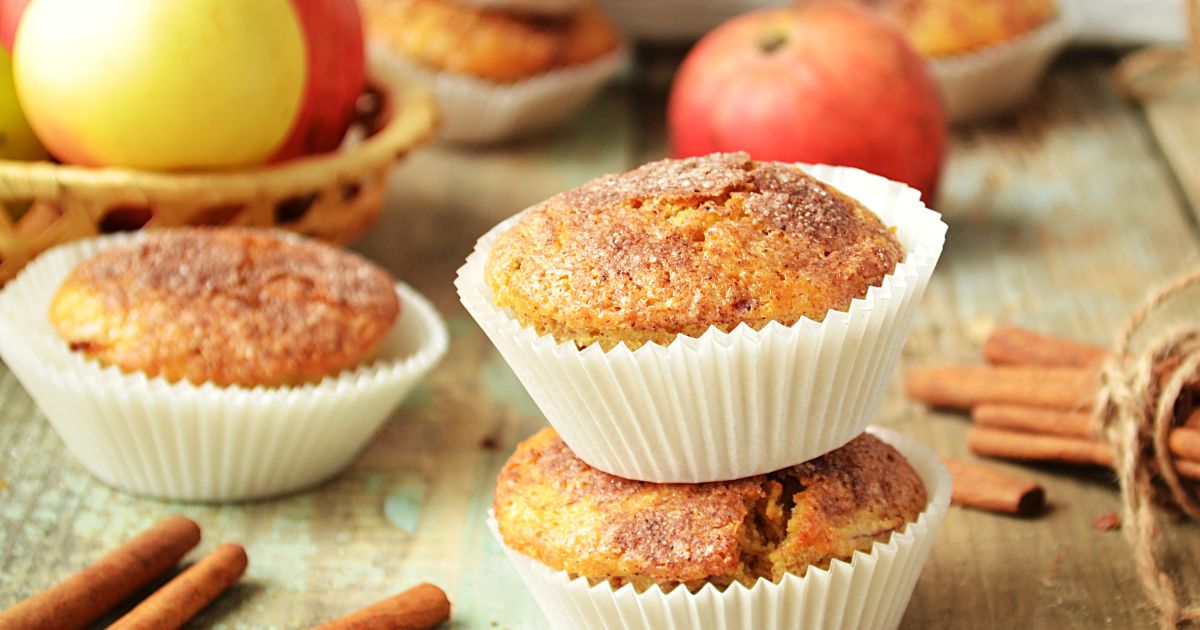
(1135, 412)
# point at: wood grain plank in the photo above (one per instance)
(1175, 120)
(1060, 219)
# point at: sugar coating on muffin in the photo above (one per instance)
(677, 246)
(228, 306)
(496, 45)
(556, 509)
(949, 27)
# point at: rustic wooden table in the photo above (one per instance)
(1060, 219)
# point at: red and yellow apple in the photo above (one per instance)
(188, 84)
(10, 15)
(820, 83)
(17, 141)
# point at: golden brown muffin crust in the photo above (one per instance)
(495, 45)
(677, 246)
(949, 27)
(230, 306)
(556, 509)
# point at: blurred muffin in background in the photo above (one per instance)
(950, 27)
(497, 71)
(492, 44)
(987, 56)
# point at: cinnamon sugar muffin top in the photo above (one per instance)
(493, 44)
(229, 306)
(556, 509)
(677, 246)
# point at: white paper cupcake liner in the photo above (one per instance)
(473, 110)
(725, 405)
(998, 78)
(203, 443)
(675, 20)
(871, 591)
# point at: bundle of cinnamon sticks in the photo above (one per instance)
(85, 597)
(1033, 401)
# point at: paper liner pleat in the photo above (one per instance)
(725, 405)
(871, 591)
(206, 443)
(472, 110)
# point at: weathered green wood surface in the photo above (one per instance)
(1060, 218)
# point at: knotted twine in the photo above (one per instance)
(1136, 408)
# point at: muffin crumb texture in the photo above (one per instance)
(556, 509)
(678, 246)
(228, 306)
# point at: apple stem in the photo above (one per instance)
(772, 42)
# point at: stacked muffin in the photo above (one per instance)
(709, 338)
(499, 68)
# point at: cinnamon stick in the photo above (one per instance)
(84, 597)
(180, 599)
(985, 488)
(1034, 420)
(1184, 442)
(965, 386)
(1010, 345)
(1031, 447)
(1188, 469)
(419, 608)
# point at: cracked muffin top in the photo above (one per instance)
(677, 246)
(229, 306)
(556, 509)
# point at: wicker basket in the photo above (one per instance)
(334, 196)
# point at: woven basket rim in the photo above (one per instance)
(411, 120)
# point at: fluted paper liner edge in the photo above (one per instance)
(472, 110)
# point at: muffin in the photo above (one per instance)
(707, 319)
(987, 56)
(554, 508)
(497, 69)
(490, 44)
(214, 364)
(678, 246)
(952, 27)
(669, 557)
(228, 306)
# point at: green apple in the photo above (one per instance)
(161, 84)
(17, 141)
